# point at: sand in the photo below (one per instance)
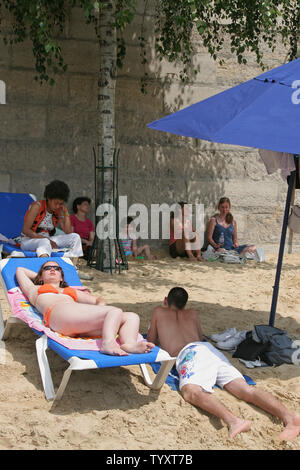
(113, 409)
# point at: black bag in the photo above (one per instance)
(250, 350)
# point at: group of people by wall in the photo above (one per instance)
(221, 233)
(77, 232)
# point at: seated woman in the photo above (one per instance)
(222, 230)
(75, 313)
(82, 225)
(42, 217)
(188, 244)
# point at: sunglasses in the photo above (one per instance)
(48, 268)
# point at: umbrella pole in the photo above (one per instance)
(281, 248)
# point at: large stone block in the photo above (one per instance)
(81, 56)
(22, 55)
(79, 28)
(179, 96)
(22, 88)
(17, 122)
(129, 96)
(5, 182)
(70, 124)
(136, 160)
(83, 91)
(5, 57)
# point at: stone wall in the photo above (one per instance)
(49, 132)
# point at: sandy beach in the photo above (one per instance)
(112, 408)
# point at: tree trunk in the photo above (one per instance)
(106, 108)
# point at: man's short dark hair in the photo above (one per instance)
(78, 201)
(177, 297)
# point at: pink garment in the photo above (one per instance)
(278, 161)
(82, 228)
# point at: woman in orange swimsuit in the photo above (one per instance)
(75, 313)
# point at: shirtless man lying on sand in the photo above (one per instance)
(200, 366)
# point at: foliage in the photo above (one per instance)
(246, 24)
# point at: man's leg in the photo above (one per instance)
(267, 402)
(195, 395)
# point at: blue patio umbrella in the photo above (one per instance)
(262, 113)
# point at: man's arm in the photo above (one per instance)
(152, 334)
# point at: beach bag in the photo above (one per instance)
(231, 257)
(249, 349)
(294, 219)
(281, 348)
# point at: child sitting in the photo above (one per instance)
(130, 246)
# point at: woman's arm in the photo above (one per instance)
(90, 241)
(25, 277)
(87, 298)
(65, 221)
(235, 239)
(210, 230)
(91, 238)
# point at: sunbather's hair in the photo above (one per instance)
(38, 281)
(177, 297)
(57, 190)
(229, 216)
(78, 201)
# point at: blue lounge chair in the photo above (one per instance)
(13, 207)
(78, 359)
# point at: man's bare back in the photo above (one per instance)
(173, 329)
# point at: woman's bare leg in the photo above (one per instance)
(193, 245)
(128, 334)
(249, 249)
(181, 248)
(73, 319)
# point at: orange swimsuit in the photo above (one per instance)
(48, 288)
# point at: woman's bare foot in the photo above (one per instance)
(241, 425)
(291, 430)
(138, 348)
(199, 258)
(112, 348)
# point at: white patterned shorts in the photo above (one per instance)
(202, 364)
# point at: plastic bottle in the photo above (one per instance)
(221, 239)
